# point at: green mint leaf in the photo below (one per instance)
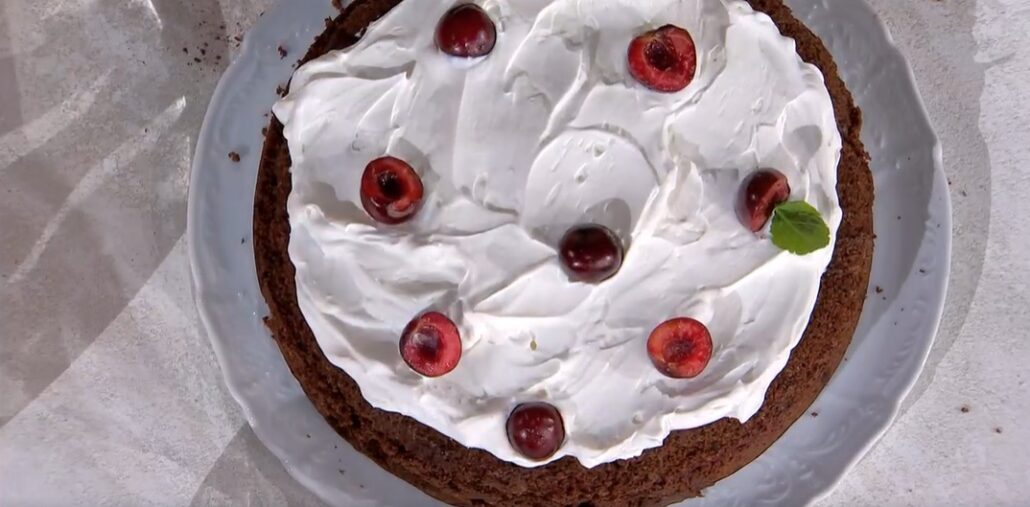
(798, 228)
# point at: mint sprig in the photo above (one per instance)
(798, 228)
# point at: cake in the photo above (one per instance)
(564, 253)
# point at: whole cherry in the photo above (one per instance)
(590, 252)
(391, 191)
(680, 348)
(759, 195)
(664, 59)
(536, 430)
(466, 31)
(431, 344)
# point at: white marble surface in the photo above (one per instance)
(109, 394)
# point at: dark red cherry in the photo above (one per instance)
(759, 196)
(391, 191)
(431, 345)
(680, 348)
(590, 252)
(663, 60)
(536, 430)
(466, 31)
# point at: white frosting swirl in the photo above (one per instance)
(548, 131)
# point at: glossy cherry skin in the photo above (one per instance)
(680, 348)
(391, 191)
(759, 195)
(431, 344)
(590, 252)
(664, 59)
(536, 430)
(466, 31)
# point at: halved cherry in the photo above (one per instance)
(759, 196)
(466, 31)
(536, 430)
(590, 252)
(391, 191)
(680, 348)
(664, 60)
(431, 345)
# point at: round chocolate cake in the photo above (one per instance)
(646, 323)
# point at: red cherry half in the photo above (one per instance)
(391, 191)
(591, 252)
(431, 345)
(663, 60)
(536, 430)
(466, 31)
(680, 348)
(759, 196)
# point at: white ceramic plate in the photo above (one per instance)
(910, 266)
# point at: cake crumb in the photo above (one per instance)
(879, 290)
(307, 435)
(964, 409)
(280, 90)
(235, 157)
(243, 240)
(532, 344)
(922, 271)
(282, 52)
(815, 414)
(340, 470)
(998, 430)
(264, 131)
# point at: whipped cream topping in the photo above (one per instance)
(548, 131)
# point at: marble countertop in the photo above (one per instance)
(111, 394)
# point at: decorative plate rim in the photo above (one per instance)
(264, 37)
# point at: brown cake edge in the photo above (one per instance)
(690, 460)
